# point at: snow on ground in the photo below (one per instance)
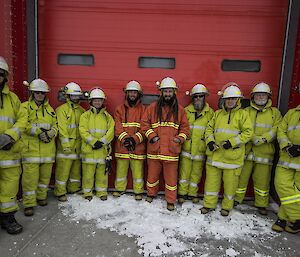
(160, 232)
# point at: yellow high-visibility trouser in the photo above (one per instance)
(67, 176)
(190, 173)
(212, 186)
(9, 187)
(94, 177)
(137, 168)
(261, 175)
(287, 184)
(35, 181)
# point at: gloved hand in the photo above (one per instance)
(5, 140)
(293, 151)
(67, 150)
(51, 133)
(44, 137)
(130, 144)
(108, 165)
(258, 141)
(154, 139)
(176, 140)
(212, 146)
(226, 145)
(98, 145)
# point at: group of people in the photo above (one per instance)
(232, 144)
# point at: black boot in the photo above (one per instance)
(9, 223)
(293, 227)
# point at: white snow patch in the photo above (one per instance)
(158, 231)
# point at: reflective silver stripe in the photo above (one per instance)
(211, 193)
(7, 119)
(86, 190)
(183, 181)
(262, 125)
(295, 127)
(193, 157)
(197, 127)
(17, 130)
(262, 160)
(138, 180)
(9, 163)
(261, 192)
(8, 204)
(186, 154)
(241, 190)
(292, 200)
(68, 156)
(37, 159)
(121, 179)
(210, 136)
(104, 141)
(64, 139)
(60, 182)
(229, 197)
(90, 139)
(91, 160)
(102, 189)
(290, 165)
(29, 193)
(74, 180)
(272, 134)
(33, 131)
(193, 184)
(225, 165)
(238, 141)
(42, 186)
(282, 140)
(97, 130)
(227, 131)
(41, 125)
(72, 126)
(249, 157)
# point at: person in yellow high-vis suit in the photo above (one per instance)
(226, 135)
(96, 127)
(39, 152)
(68, 162)
(287, 174)
(13, 121)
(130, 148)
(260, 149)
(193, 151)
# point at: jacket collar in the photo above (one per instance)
(5, 89)
(268, 105)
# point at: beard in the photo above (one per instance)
(169, 101)
(199, 105)
(132, 102)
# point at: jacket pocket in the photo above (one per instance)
(153, 148)
(174, 147)
(86, 148)
(233, 154)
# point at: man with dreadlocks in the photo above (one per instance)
(166, 127)
(130, 144)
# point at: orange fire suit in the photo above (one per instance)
(164, 153)
(127, 124)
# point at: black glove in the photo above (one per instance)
(98, 145)
(108, 165)
(293, 150)
(212, 146)
(8, 146)
(130, 144)
(227, 145)
(154, 139)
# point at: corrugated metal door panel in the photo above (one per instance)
(198, 34)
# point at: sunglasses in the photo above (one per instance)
(39, 92)
(198, 96)
(2, 74)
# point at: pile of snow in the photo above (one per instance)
(159, 231)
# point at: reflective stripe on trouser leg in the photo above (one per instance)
(154, 170)
(9, 187)
(243, 181)
(137, 168)
(170, 171)
(44, 180)
(261, 181)
(195, 177)
(230, 182)
(101, 180)
(62, 172)
(88, 177)
(121, 174)
(287, 184)
(185, 169)
(212, 186)
(30, 179)
(74, 183)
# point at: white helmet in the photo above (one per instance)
(37, 85)
(133, 85)
(3, 64)
(167, 83)
(232, 91)
(261, 88)
(97, 93)
(199, 89)
(72, 89)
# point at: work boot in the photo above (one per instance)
(28, 211)
(9, 223)
(224, 212)
(181, 199)
(89, 197)
(279, 225)
(42, 202)
(262, 211)
(149, 198)
(170, 206)
(62, 198)
(293, 227)
(103, 197)
(138, 197)
(118, 193)
(195, 199)
(205, 210)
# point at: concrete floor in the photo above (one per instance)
(50, 234)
